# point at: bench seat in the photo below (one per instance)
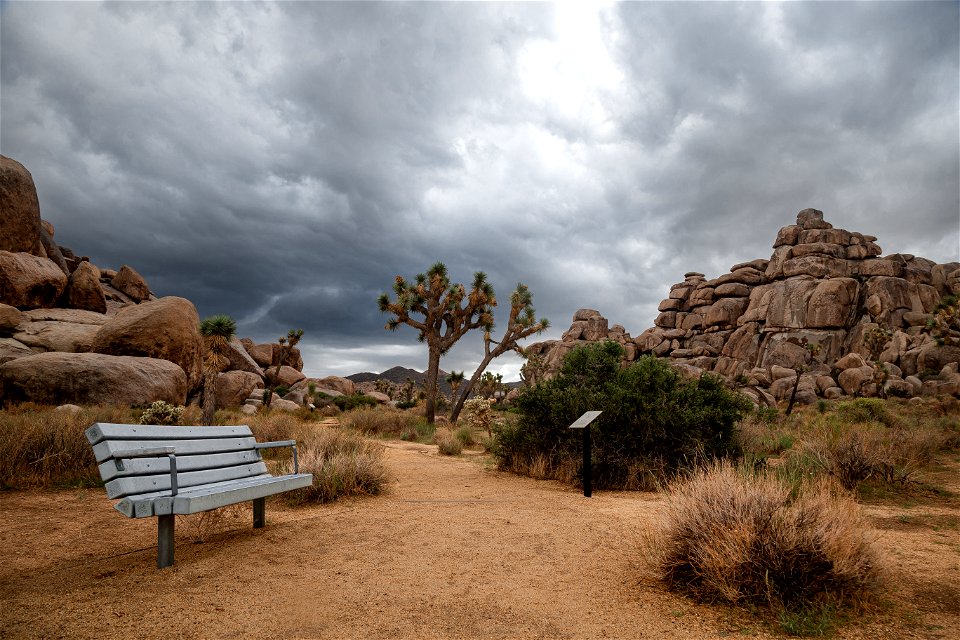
(157, 471)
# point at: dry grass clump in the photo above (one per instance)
(746, 540)
(380, 421)
(342, 464)
(447, 443)
(41, 447)
(852, 453)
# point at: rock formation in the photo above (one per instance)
(816, 301)
(71, 332)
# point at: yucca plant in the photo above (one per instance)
(217, 332)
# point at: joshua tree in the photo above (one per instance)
(448, 312)
(455, 379)
(521, 324)
(287, 343)
(216, 331)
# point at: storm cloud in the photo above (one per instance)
(282, 162)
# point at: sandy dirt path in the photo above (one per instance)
(454, 550)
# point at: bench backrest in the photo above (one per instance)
(204, 455)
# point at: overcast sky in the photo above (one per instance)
(282, 162)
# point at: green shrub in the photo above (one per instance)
(162, 413)
(465, 436)
(355, 401)
(653, 421)
(748, 540)
(865, 410)
(406, 404)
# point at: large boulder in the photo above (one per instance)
(83, 289)
(11, 349)
(10, 317)
(288, 376)
(167, 328)
(131, 283)
(336, 383)
(19, 210)
(234, 387)
(833, 304)
(92, 378)
(28, 281)
(47, 335)
(262, 354)
(239, 359)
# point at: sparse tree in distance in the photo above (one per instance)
(455, 379)
(448, 312)
(216, 331)
(521, 324)
(287, 343)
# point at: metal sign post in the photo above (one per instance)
(582, 423)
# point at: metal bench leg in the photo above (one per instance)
(165, 525)
(259, 512)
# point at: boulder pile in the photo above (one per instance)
(72, 332)
(814, 308)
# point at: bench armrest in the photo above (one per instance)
(282, 443)
(151, 452)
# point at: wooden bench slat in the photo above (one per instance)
(141, 505)
(108, 431)
(205, 499)
(109, 448)
(121, 487)
(148, 466)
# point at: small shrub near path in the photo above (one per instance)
(747, 540)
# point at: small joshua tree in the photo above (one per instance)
(876, 340)
(455, 379)
(287, 343)
(216, 331)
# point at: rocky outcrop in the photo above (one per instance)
(167, 328)
(234, 387)
(820, 296)
(19, 210)
(28, 281)
(84, 290)
(131, 284)
(92, 378)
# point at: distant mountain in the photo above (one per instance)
(399, 375)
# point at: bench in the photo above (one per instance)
(168, 471)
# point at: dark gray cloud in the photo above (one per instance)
(282, 162)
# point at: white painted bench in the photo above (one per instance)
(168, 471)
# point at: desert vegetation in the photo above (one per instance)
(654, 422)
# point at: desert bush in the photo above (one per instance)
(464, 436)
(270, 426)
(43, 447)
(759, 438)
(653, 420)
(342, 464)
(854, 452)
(478, 413)
(865, 410)
(747, 540)
(355, 401)
(162, 413)
(447, 443)
(380, 421)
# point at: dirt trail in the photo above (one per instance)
(452, 551)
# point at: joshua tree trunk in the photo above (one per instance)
(468, 388)
(209, 397)
(793, 394)
(433, 372)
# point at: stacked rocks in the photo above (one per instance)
(813, 302)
